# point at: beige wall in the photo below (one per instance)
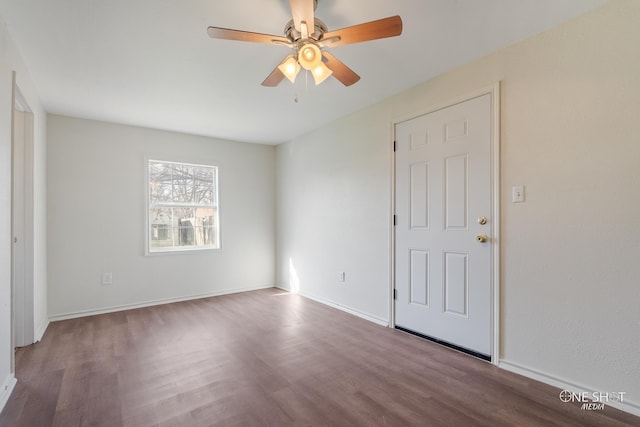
(570, 255)
(96, 220)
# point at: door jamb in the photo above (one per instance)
(494, 91)
(18, 102)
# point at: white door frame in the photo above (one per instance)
(26, 310)
(494, 91)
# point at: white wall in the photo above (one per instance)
(333, 213)
(570, 254)
(10, 61)
(96, 221)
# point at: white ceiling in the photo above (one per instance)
(150, 62)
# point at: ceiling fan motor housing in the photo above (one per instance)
(294, 36)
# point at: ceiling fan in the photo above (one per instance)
(308, 37)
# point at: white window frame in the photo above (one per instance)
(215, 205)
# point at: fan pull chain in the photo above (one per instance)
(295, 93)
(306, 82)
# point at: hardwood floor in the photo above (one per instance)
(267, 358)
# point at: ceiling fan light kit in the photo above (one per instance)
(308, 47)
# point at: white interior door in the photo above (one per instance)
(443, 190)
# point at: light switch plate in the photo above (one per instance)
(518, 194)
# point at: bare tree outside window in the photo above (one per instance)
(183, 206)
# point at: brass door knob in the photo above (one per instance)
(482, 238)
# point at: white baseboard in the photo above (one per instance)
(113, 309)
(41, 330)
(360, 314)
(626, 406)
(7, 387)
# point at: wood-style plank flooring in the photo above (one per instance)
(267, 358)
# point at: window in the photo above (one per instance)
(183, 207)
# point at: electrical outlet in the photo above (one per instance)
(107, 278)
(341, 277)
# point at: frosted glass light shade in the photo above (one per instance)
(321, 73)
(309, 56)
(290, 68)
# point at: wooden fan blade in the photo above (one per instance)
(302, 10)
(340, 71)
(244, 36)
(380, 29)
(275, 77)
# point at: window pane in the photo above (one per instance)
(183, 184)
(203, 195)
(161, 226)
(159, 183)
(159, 192)
(204, 186)
(203, 175)
(158, 170)
(206, 227)
(184, 221)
